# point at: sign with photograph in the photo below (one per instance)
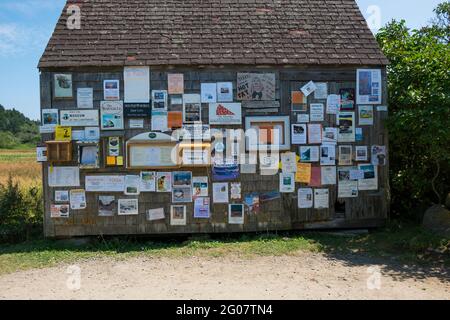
(63, 86)
(256, 86)
(368, 90)
(111, 115)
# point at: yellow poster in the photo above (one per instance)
(303, 174)
(63, 133)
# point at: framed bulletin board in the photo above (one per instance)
(269, 131)
(153, 150)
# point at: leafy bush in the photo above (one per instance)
(21, 212)
(419, 124)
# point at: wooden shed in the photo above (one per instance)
(306, 75)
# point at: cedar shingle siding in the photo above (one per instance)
(213, 32)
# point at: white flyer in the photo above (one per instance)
(148, 181)
(77, 199)
(321, 92)
(365, 115)
(208, 92)
(328, 155)
(314, 133)
(235, 190)
(321, 199)
(328, 175)
(299, 133)
(305, 198)
(289, 162)
(105, 183)
(156, 214)
(85, 98)
(302, 118)
(309, 88)
(333, 103)
(136, 84)
(316, 112)
(225, 91)
(220, 192)
(63, 176)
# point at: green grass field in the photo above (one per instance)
(409, 245)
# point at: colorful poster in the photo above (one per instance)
(256, 86)
(148, 181)
(316, 180)
(111, 90)
(77, 199)
(299, 133)
(236, 214)
(316, 112)
(156, 214)
(305, 198)
(346, 126)
(225, 91)
(159, 100)
(347, 99)
(111, 115)
(314, 133)
(85, 98)
(63, 86)
(287, 182)
(175, 83)
(225, 113)
(106, 206)
(225, 170)
(208, 92)
(379, 155)
(163, 182)
(359, 134)
(328, 175)
(136, 84)
(59, 211)
(200, 187)
(201, 208)
(321, 199)
(299, 101)
(369, 180)
(63, 133)
(303, 174)
(105, 183)
(365, 115)
(181, 194)
(50, 119)
(369, 86)
(309, 153)
(128, 207)
(220, 192)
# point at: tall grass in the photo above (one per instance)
(21, 165)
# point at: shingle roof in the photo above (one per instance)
(212, 32)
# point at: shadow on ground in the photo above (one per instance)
(400, 252)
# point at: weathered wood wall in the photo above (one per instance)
(369, 209)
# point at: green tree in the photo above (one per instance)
(419, 122)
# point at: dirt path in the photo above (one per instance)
(307, 276)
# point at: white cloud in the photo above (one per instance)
(18, 40)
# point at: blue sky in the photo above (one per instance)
(26, 25)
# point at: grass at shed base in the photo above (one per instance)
(407, 245)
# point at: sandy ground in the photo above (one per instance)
(306, 276)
